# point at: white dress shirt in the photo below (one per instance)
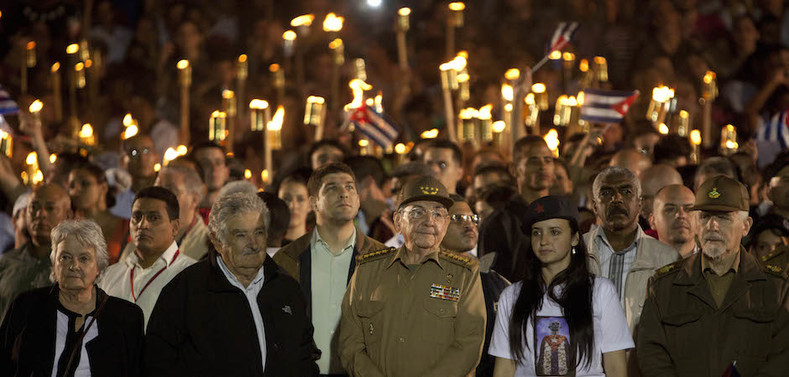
(251, 292)
(148, 282)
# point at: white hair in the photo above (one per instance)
(237, 186)
(234, 204)
(87, 233)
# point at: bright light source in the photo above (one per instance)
(374, 3)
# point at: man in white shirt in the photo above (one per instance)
(156, 258)
(619, 249)
(324, 260)
(234, 313)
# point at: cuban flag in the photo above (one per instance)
(606, 106)
(562, 35)
(774, 128)
(7, 104)
(374, 125)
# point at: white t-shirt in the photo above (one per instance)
(610, 332)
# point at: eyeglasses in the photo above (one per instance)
(416, 213)
(458, 218)
(136, 153)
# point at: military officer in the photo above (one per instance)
(718, 308)
(416, 310)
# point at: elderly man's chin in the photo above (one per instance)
(714, 252)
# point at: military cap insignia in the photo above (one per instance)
(428, 190)
(444, 292)
(362, 258)
(539, 208)
(714, 194)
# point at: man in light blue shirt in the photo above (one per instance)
(323, 260)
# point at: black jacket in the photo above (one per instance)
(202, 326)
(28, 332)
(501, 233)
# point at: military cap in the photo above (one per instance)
(721, 193)
(424, 188)
(549, 207)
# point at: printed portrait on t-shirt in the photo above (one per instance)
(552, 347)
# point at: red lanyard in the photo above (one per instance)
(131, 277)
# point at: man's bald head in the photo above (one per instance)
(671, 217)
(49, 205)
(653, 179)
(631, 159)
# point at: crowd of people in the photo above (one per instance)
(621, 250)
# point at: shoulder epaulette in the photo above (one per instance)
(774, 270)
(456, 258)
(373, 255)
(667, 269)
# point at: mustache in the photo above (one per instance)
(617, 210)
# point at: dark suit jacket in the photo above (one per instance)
(501, 233)
(202, 326)
(28, 332)
(295, 258)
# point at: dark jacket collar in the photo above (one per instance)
(217, 282)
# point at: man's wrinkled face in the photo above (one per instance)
(617, 203)
(215, 170)
(535, 168)
(447, 170)
(49, 205)
(463, 229)
(423, 224)
(243, 248)
(187, 201)
(720, 232)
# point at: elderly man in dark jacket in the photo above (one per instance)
(236, 313)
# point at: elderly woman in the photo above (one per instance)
(72, 328)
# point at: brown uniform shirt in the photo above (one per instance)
(683, 333)
(399, 322)
(719, 284)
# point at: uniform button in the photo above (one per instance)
(402, 340)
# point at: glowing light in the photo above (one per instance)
(708, 77)
(55, 67)
(128, 120)
(583, 65)
(31, 45)
(303, 20)
(72, 49)
(485, 112)
(459, 62)
(529, 100)
(430, 134)
(404, 11)
(31, 158)
(512, 74)
(183, 64)
(555, 55)
(683, 114)
(247, 173)
(663, 129)
(130, 131)
(508, 107)
(52, 158)
(730, 144)
(264, 175)
(538, 88)
(364, 143)
(86, 131)
(499, 126)
(36, 106)
(571, 101)
(457, 6)
(277, 120)
(228, 94)
(507, 92)
(258, 104)
(170, 154)
(400, 148)
(157, 167)
(695, 137)
(568, 56)
(242, 58)
(289, 35)
(182, 150)
(374, 3)
(599, 60)
(552, 139)
(38, 177)
(581, 97)
(273, 68)
(332, 23)
(469, 113)
(357, 88)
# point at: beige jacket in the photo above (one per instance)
(651, 254)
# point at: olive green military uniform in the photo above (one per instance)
(406, 321)
(696, 323)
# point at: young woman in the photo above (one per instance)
(560, 319)
(293, 190)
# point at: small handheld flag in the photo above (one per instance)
(374, 125)
(562, 35)
(606, 106)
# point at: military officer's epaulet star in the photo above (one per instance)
(373, 255)
(776, 270)
(456, 258)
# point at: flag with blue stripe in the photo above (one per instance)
(374, 125)
(7, 104)
(606, 106)
(774, 128)
(562, 35)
